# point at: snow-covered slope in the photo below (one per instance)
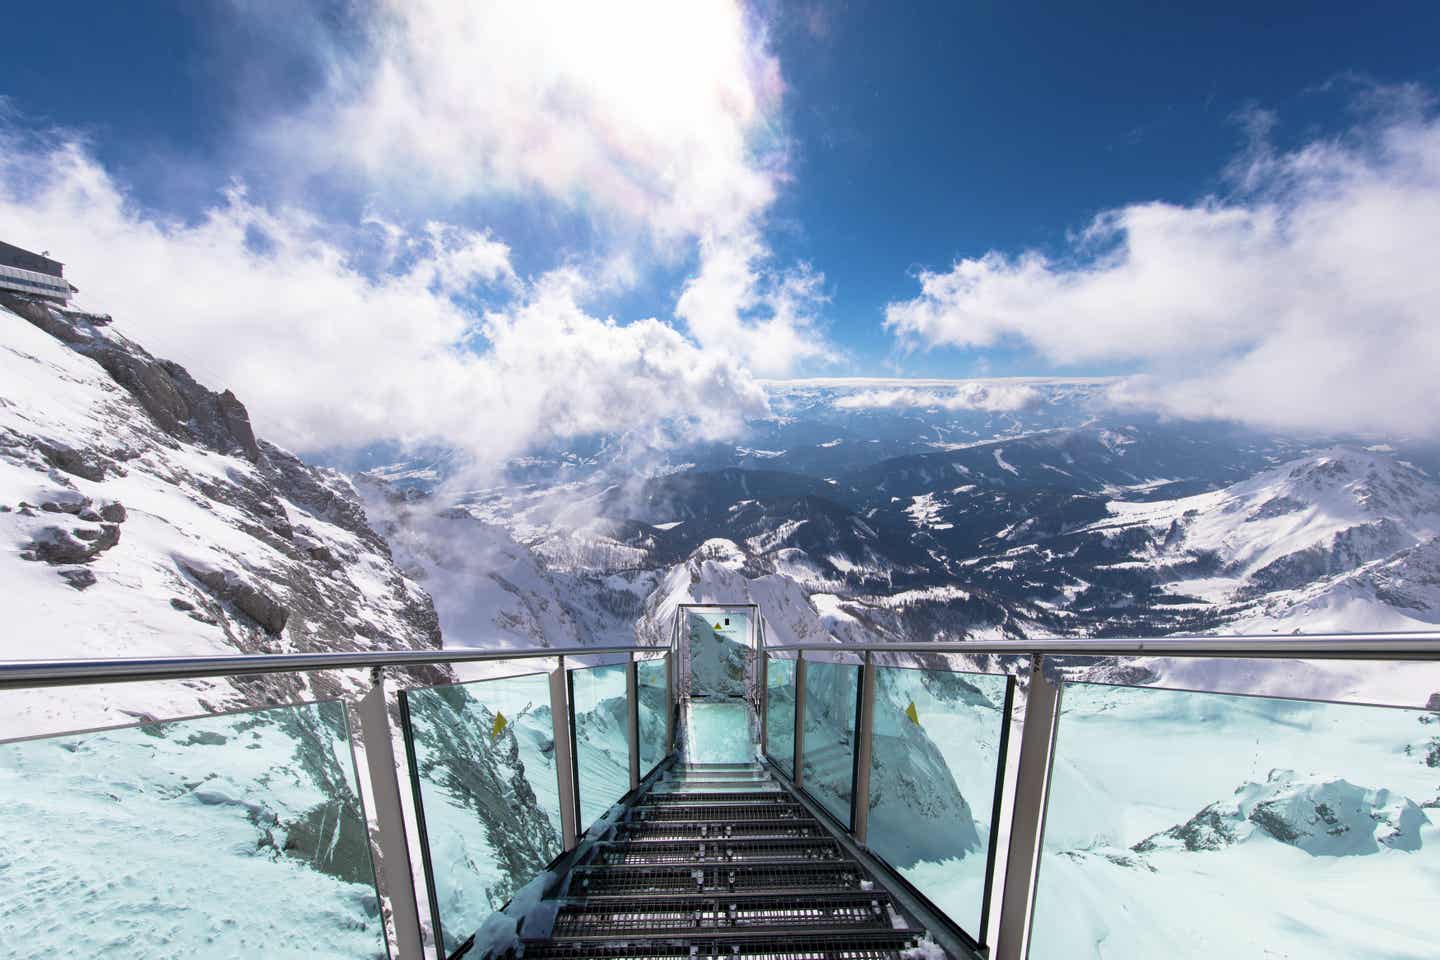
(1305, 539)
(140, 516)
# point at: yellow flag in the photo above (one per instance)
(910, 712)
(498, 727)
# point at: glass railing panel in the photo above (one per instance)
(1193, 825)
(780, 713)
(831, 703)
(654, 712)
(233, 835)
(935, 761)
(602, 740)
(483, 766)
(719, 649)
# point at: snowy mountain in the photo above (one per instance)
(140, 516)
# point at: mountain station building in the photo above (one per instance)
(33, 273)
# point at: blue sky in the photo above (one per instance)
(873, 145)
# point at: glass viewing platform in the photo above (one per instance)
(726, 795)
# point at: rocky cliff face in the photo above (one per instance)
(141, 516)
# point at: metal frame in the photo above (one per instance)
(797, 764)
(564, 733)
(864, 746)
(632, 719)
(1001, 761)
(1416, 645)
(1027, 817)
(396, 873)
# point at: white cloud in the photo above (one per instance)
(662, 115)
(987, 397)
(268, 302)
(1309, 301)
(764, 319)
(661, 122)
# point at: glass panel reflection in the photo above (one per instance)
(780, 713)
(719, 644)
(654, 712)
(602, 739)
(239, 834)
(933, 767)
(1201, 825)
(831, 691)
(483, 756)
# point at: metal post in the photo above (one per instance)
(670, 703)
(632, 719)
(762, 698)
(865, 732)
(395, 869)
(1027, 823)
(564, 758)
(796, 765)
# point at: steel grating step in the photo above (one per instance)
(692, 787)
(856, 946)
(652, 798)
(726, 878)
(706, 851)
(720, 812)
(710, 916)
(646, 830)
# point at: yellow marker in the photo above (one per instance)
(498, 727)
(910, 712)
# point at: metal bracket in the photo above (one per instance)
(1027, 821)
(564, 755)
(396, 872)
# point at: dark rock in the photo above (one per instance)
(85, 464)
(114, 512)
(259, 606)
(237, 421)
(80, 578)
(179, 604)
(58, 545)
(73, 507)
(1433, 703)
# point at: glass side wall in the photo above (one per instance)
(483, 765)
(602, 739)
(722, 732)
(1192, 825)
(831, 700)
(934, 765)
(780, 713)
(719, 646)
(239, 835)
(654, 714)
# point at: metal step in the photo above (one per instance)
(653, 798)
(705, 812)
(854, 946)
(784, 877)
(643, 831)
(711, 851)
(723, 916)
(671, 787)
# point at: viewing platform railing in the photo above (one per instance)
(472, 788)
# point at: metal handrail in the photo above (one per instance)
(16, 674)
(1417, 645)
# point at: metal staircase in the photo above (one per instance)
(720, 860)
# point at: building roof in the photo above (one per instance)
(14, 256)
